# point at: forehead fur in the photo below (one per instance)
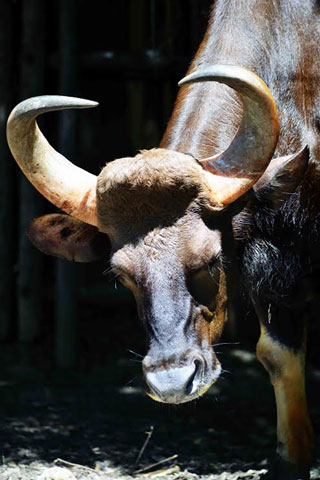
(155, 184)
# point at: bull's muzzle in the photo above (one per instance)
(176, 383)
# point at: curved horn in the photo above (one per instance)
(68, 187)
(251, 150)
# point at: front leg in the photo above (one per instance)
(281, 350)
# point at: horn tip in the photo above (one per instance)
(92, 103)
(74, 102)
(183, 81)
(198, 76)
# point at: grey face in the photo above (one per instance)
(176, 277)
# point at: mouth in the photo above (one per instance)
(176, 400)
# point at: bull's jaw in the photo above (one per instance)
(175, 381)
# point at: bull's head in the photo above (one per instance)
(161, 211)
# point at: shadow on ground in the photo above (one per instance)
(103, 423)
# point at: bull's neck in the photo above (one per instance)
(267, 37)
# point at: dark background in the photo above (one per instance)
(128, 55)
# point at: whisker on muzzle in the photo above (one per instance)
(134, 353)
(225, 343)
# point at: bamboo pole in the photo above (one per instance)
(7, 203)
(65, 292)
(30, 260)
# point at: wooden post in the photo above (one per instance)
(30, 260)
(65, 311)
(7, 204)
(153, 88)
(168, 93)
(135, 89)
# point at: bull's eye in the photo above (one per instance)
(214, 269)
(117, 278)
(203, 286)
(121, 280)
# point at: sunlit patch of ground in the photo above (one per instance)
(98, 426)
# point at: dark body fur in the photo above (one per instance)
(279, 254)
(277, 242)
(280, 245)
(278, 40)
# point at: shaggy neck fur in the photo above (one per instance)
(279, 248)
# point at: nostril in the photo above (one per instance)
(190, 384)
(197, 363)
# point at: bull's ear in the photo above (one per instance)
(282, 177)
(64, 236)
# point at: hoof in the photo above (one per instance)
(282, 470)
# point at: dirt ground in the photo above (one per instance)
(99, 428)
